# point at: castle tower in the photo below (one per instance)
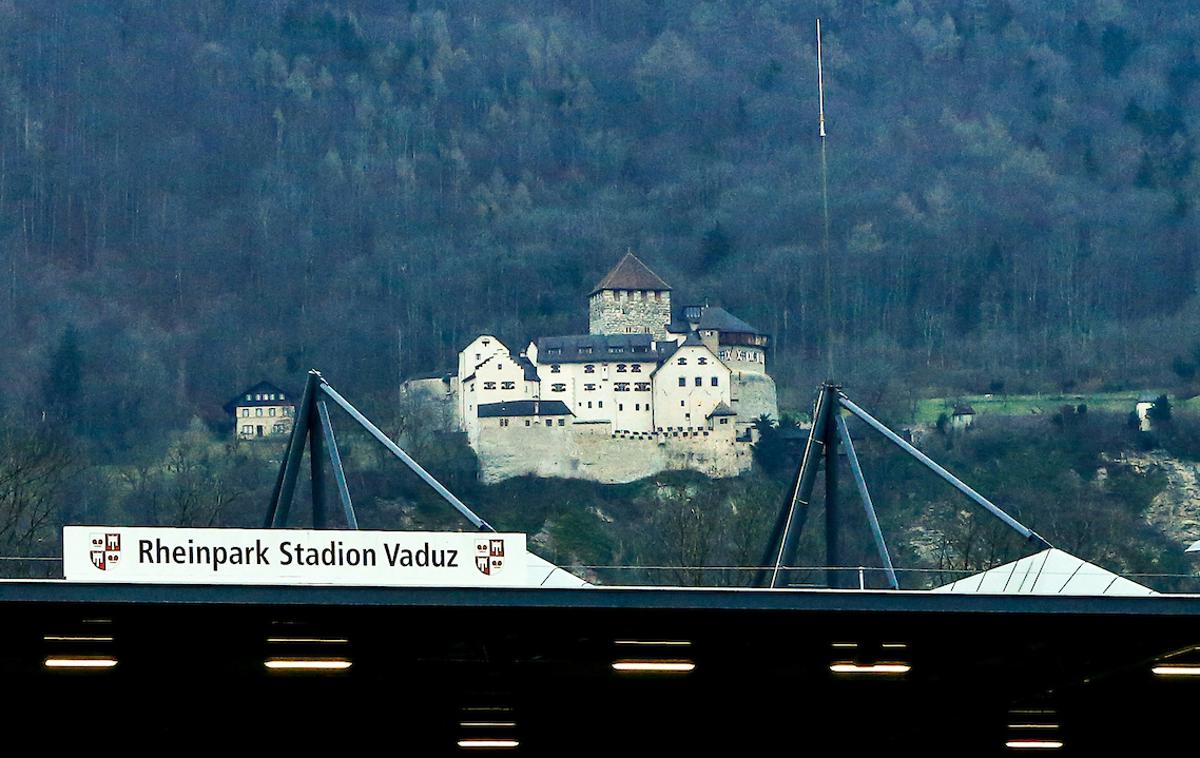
(631, 299)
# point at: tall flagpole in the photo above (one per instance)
(825, 207)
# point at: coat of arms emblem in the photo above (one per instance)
(489, 556)
(105, 549)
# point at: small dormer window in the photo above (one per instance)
(249, 398)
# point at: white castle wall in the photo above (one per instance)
(753, 396)
(590, 451)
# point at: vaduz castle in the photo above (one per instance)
(640, 393)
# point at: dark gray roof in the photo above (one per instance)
(524, 408)
(722, 410)
(443, 375)
(596, 348)
(963, 410)
(631, 274)
(528, 367)
(265, 388)
(724, 321)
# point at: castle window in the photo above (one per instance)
(555, 368)
(620, 406)
(682, 361)
(245, 412)
(503, 422)
(287, 411)
(702, 360)
(562, 422)
(279, 429)
(589, 386)
(589, 368)
(258, 411)
(508, 385)
(599, 403)
(642, 387)
(680, 403)
(724, 419)
(636, 368)
(249, 398)
(272, 412)
(621, 387)
(621, 368)
(558, 388)
(637, 406)
(585, 349)
(549, 422)
(247, 429)
(715, 382)
(683, 381)
(489, 385)
(699, 381)
(589, 403)
(528, 422)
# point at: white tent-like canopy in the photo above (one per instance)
(543, 573)
(1050, 572)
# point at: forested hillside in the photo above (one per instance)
(197, 195)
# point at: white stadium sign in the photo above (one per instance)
(293, 556)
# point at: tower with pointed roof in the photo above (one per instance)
(631, 299)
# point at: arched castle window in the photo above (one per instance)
(558, 388)
(621, 368)
(636, 368)
(589, 369)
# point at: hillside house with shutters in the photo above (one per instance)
(261, 411)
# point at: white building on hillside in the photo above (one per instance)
(691, 389)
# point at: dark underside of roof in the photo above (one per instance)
(598, 348)
(191, 670)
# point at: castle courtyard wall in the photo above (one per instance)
(592, 452)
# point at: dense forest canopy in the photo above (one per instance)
(194, 196)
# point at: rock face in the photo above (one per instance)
(578, 453)
(1176, 510)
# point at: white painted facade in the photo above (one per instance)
(687, 387)
(500, 378)
(619, 393)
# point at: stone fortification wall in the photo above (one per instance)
(753, 395)
(622, 312)
(581, 453)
